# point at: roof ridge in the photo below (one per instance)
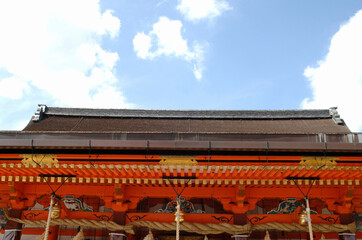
(195, 110)
(43, 110)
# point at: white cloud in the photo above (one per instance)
(142, 45)
(55, 47)
(195, 10)
(198, 55)
(337, 80)
(12, 87)
(165, 39)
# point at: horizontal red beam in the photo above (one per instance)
(35, 215)
(254, 219)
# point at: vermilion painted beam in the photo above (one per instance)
(34, 215)
(132, 217)
(254, 219)
(292, 218)
(189, 217)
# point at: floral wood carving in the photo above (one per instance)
(186, 207)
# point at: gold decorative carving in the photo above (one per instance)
(39, 158)
(178, 160)
(319, 161)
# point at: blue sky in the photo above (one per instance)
(180, 54)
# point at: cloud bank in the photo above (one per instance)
(165, 39)
(202, 9)
(55, 47)
(337, 79)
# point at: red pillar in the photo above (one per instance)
(240, 219)
(53, 233)
(119, 218)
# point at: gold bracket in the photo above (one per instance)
(118, 193)
(318, 161)
(178, 160)
(39, 158)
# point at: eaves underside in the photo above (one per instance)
(179, 146)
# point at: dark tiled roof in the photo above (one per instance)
(187, 121)
(284, 126)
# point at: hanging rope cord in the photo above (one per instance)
(173, 187)
(208, 154)
(178, 212)
(178, 207)
(44, 178)
(147, 152)
(309, 220)
(89, 154)
(49, 217)
(312, 183)
(266, 155)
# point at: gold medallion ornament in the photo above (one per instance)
(318, 161)
(39, 158)
(178, 160)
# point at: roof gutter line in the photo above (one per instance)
(178, 145)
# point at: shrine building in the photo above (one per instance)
(123, 173)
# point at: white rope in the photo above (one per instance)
(309, 220)
(49, 218)
(178, 220)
